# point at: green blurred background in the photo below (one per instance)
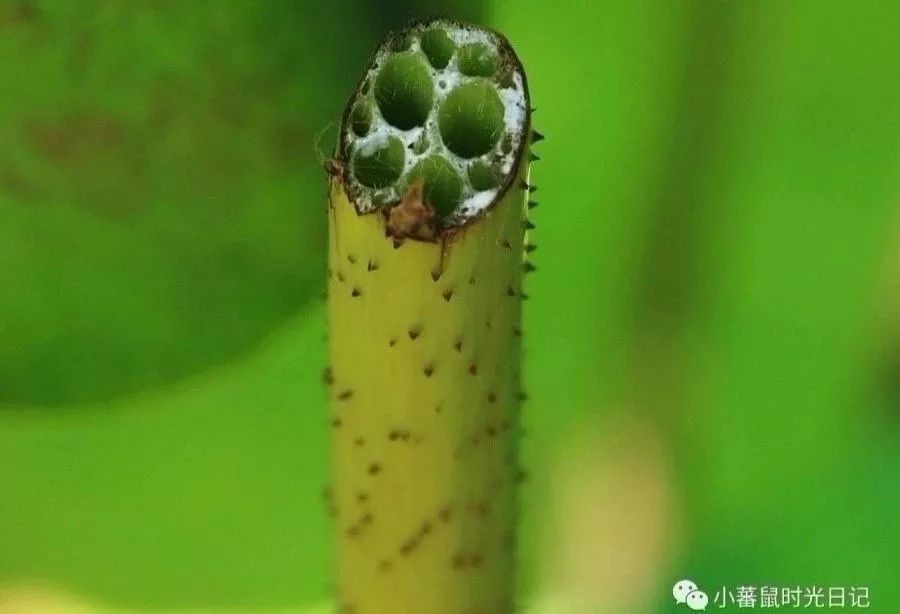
(713, 335)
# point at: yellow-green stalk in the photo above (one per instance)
(428, 219)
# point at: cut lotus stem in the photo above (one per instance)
(428, 218)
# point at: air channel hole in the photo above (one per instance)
(482, 176)
(471, 119)
(361, 118)
(438, 47)
(379, 164)
(442, 185)
(477, 60)
(404, 91)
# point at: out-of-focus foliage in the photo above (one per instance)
(160, 182)
(718, 202)
(158, 173)
(737, 166)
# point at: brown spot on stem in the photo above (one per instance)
(448, 294)
(356, 292)
(356, 528)
(372, 266)
(345, 395)
(414, 333)
(413, 216)
(351, 258)
(399, 435)
(428, 370)
(374, 469)
(473, 369)
(409, 545)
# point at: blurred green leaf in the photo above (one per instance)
(161, 193)
(206, 494)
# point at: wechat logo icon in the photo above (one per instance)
(686, 592)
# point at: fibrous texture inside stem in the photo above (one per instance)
(453, 96)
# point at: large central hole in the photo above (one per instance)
(471, 119)
(404, 91)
